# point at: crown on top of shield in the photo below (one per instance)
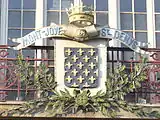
(80, 15)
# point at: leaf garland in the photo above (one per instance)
(58, 103)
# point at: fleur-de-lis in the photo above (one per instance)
(80, 51)
(69, 65)
(80, 79)
(74, 58)
(92, 79)
(92, 65)
(80, 65)
(86, 58)
(68, 79)
(68, 51)
(74, 72)
(92, 52)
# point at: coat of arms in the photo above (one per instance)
(81, 67)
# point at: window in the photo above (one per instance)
(101, 5)
(26, 31)
(14, 33)
(157, 22)
(27, 15)
(126, 21)
(102, 18)
(52, 17)
(133, 12)
(56, 11)
(21, 20)
(66, 4)
(0, 18)
(88, 2)
(126, 5)
(157, 4)
(141, 36)
(157, 39)
(21, 17)
(53, 4)
(14, 19)
(64, 18)
(140, 5)
(14, 4)
(139, 25)
(29, 4)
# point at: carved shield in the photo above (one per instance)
(81, 67)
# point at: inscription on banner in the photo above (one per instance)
(119, 35)
(46, 32)
(39, 34)
(67, 32)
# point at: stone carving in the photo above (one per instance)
(81, 67)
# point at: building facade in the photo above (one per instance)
(139, 18)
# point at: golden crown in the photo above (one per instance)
(80, 15)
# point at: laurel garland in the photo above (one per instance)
(54, 103)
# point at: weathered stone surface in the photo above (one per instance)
(121, 114)
(60, 45)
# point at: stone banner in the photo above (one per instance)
(79, 34)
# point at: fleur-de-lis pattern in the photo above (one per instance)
(81, 67)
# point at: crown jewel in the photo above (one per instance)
(80, 15)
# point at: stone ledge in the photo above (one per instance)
(149, 105)
(69, 118)
(21, 102)
(12, 102)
